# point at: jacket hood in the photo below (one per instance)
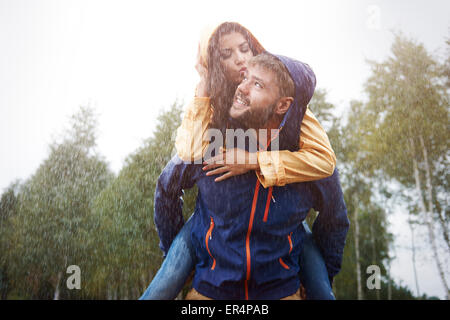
(305, 84)
(205, 36)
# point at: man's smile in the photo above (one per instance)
(240, 102)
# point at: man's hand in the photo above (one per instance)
(231, 163)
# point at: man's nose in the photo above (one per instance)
(243, 87)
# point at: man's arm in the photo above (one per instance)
(331, 225)
(168, 204)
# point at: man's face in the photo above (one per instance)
(255, 98)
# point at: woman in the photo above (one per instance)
(221, 61)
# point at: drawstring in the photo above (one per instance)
(269, 194)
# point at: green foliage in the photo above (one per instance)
(374, 241)
(407, 100)
(8, 209)
(51, 226)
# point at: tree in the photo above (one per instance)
(8, 209)
(408, 112)
(53, 221)
(446, 66)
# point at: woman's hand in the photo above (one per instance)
(231, 163)
(201, 90)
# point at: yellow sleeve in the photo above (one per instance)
(189, 142)
(315, 159)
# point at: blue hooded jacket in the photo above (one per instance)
(248, 238)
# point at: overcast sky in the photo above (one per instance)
(129, 59)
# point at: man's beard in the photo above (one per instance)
(256, 118)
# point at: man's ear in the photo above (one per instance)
(283, 105)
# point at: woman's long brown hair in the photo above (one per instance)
(220, 89)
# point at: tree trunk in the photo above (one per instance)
(56, 296)
(430, 190)
(374, 253)
(444, 224)
(389, 281)
(413, 248)
(429, 221)
(358, 264)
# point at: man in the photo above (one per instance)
(247, 238)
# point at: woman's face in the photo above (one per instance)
(234, 54)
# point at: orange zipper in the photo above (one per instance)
(290, 242)
(266, 212)
(247, 239)
(207, 238)
(283, 264)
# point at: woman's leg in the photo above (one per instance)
(313, 272)
(175, 269)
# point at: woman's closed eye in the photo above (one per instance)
(244, 47)
(225, 54)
